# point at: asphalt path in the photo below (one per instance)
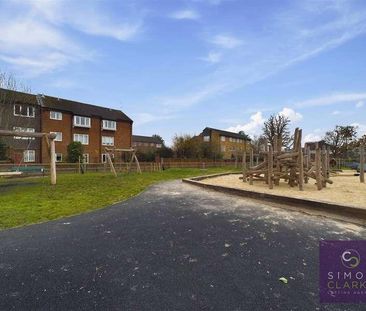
(173, 247)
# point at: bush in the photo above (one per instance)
(75, 151)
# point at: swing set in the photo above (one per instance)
(111, 152)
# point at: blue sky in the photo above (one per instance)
(178, 66)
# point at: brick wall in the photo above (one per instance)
(122, 136)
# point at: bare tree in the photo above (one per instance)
(277, 125)
(9, 83)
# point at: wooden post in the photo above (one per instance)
(137, 162)
(301, 163)
(53, 161)
(251, 158)
(244, 164)
(324, 166)
(270, 167)
(362, 163)
(328, 162)
(318, 172)
(111, 165)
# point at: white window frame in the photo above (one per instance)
(24, 129)
(105, 140)
(159, 146)
(80, 138)
(104, 157)
(56, 115)
(86, 158)
(223, 138)
(58, 136)
(79, 123)
(29, 156)
(28, 109)
(206, 138)
(109, 125)
(58, 154)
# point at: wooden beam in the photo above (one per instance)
(362, 163)
(244, 166)
(53, 161)
(27, 134)
(270, 167)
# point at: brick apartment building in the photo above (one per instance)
(230, 144)
(95, 127)
(146, 143)
(20, 112)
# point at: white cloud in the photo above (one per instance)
(291, 114)
(336, 112)
(36, 38)
(300, 32)
(311, 137)
(252, 127)
(212, 57)
(226, 41)
(88, 17)
(185, 14)
(361, 128)
(360, 104)
(332, 99)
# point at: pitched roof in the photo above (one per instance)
(145, 139)
(10, 96)
(208, 130)
(82, 108)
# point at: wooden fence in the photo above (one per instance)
(120, 167)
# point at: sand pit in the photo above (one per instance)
(345, 190)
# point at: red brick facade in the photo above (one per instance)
(122, 135)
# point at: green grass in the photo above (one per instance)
(32, 200)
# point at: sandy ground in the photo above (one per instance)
(346, 189)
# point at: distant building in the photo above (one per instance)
(230, 144)
(146, 143)
(311, 146)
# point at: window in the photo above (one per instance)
(58, 136)
(159, 145)
(107, 141)
(104, 157)
(81, 121)
(222, 138)
(109, 125)
(86, 158)
(83, 138)
(24, 111)
(55, 115)
(58, 157)
(206, 138)
(29, 156)
(23, 129)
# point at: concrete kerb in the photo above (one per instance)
(349, 213)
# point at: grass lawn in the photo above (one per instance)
(32, 200)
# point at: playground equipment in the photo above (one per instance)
(293, 166)
(111, 151)
(50, 139)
